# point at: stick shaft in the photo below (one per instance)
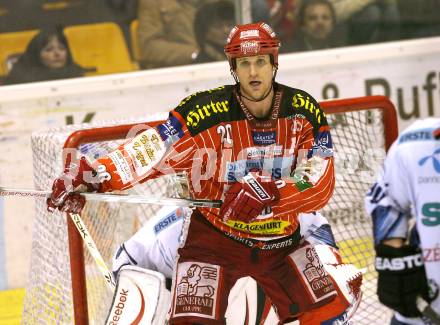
(80, 226)
(7, 191)
(93, 249)
(121, 198)
(427, 311)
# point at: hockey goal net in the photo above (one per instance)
(66, 287)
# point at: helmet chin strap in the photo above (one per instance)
(250, 99)
(257, 100)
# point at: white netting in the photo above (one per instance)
(48, 297)
(48, 300)
(359, 143)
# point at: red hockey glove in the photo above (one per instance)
(246, 199)
(76, 177)
(436, 134)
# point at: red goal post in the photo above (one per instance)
(355, 117)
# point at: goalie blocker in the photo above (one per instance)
(401, 278)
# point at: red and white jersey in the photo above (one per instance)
(213, 137)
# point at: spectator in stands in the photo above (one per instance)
(212, 24)
(358, 21)
(316, 27)
(47, 57)
(166, 32)
(368, 21)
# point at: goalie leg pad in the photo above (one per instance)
(140, 298)
(401, 278)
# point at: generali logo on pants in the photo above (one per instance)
(196, 290)
(312, 274)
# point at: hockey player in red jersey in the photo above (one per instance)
(263, 148)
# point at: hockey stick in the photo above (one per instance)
(78, 222)
(93, 250)
(121, 198)
(427, 311)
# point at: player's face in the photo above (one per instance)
(54, 54)
(318, 21)
(255, 75)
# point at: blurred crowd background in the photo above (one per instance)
(53, 39)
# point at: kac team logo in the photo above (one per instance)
(435, 157)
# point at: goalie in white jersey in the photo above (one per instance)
(408, 267)
(155, 246)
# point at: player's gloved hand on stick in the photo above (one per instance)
(246, 199)
(80, 177)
